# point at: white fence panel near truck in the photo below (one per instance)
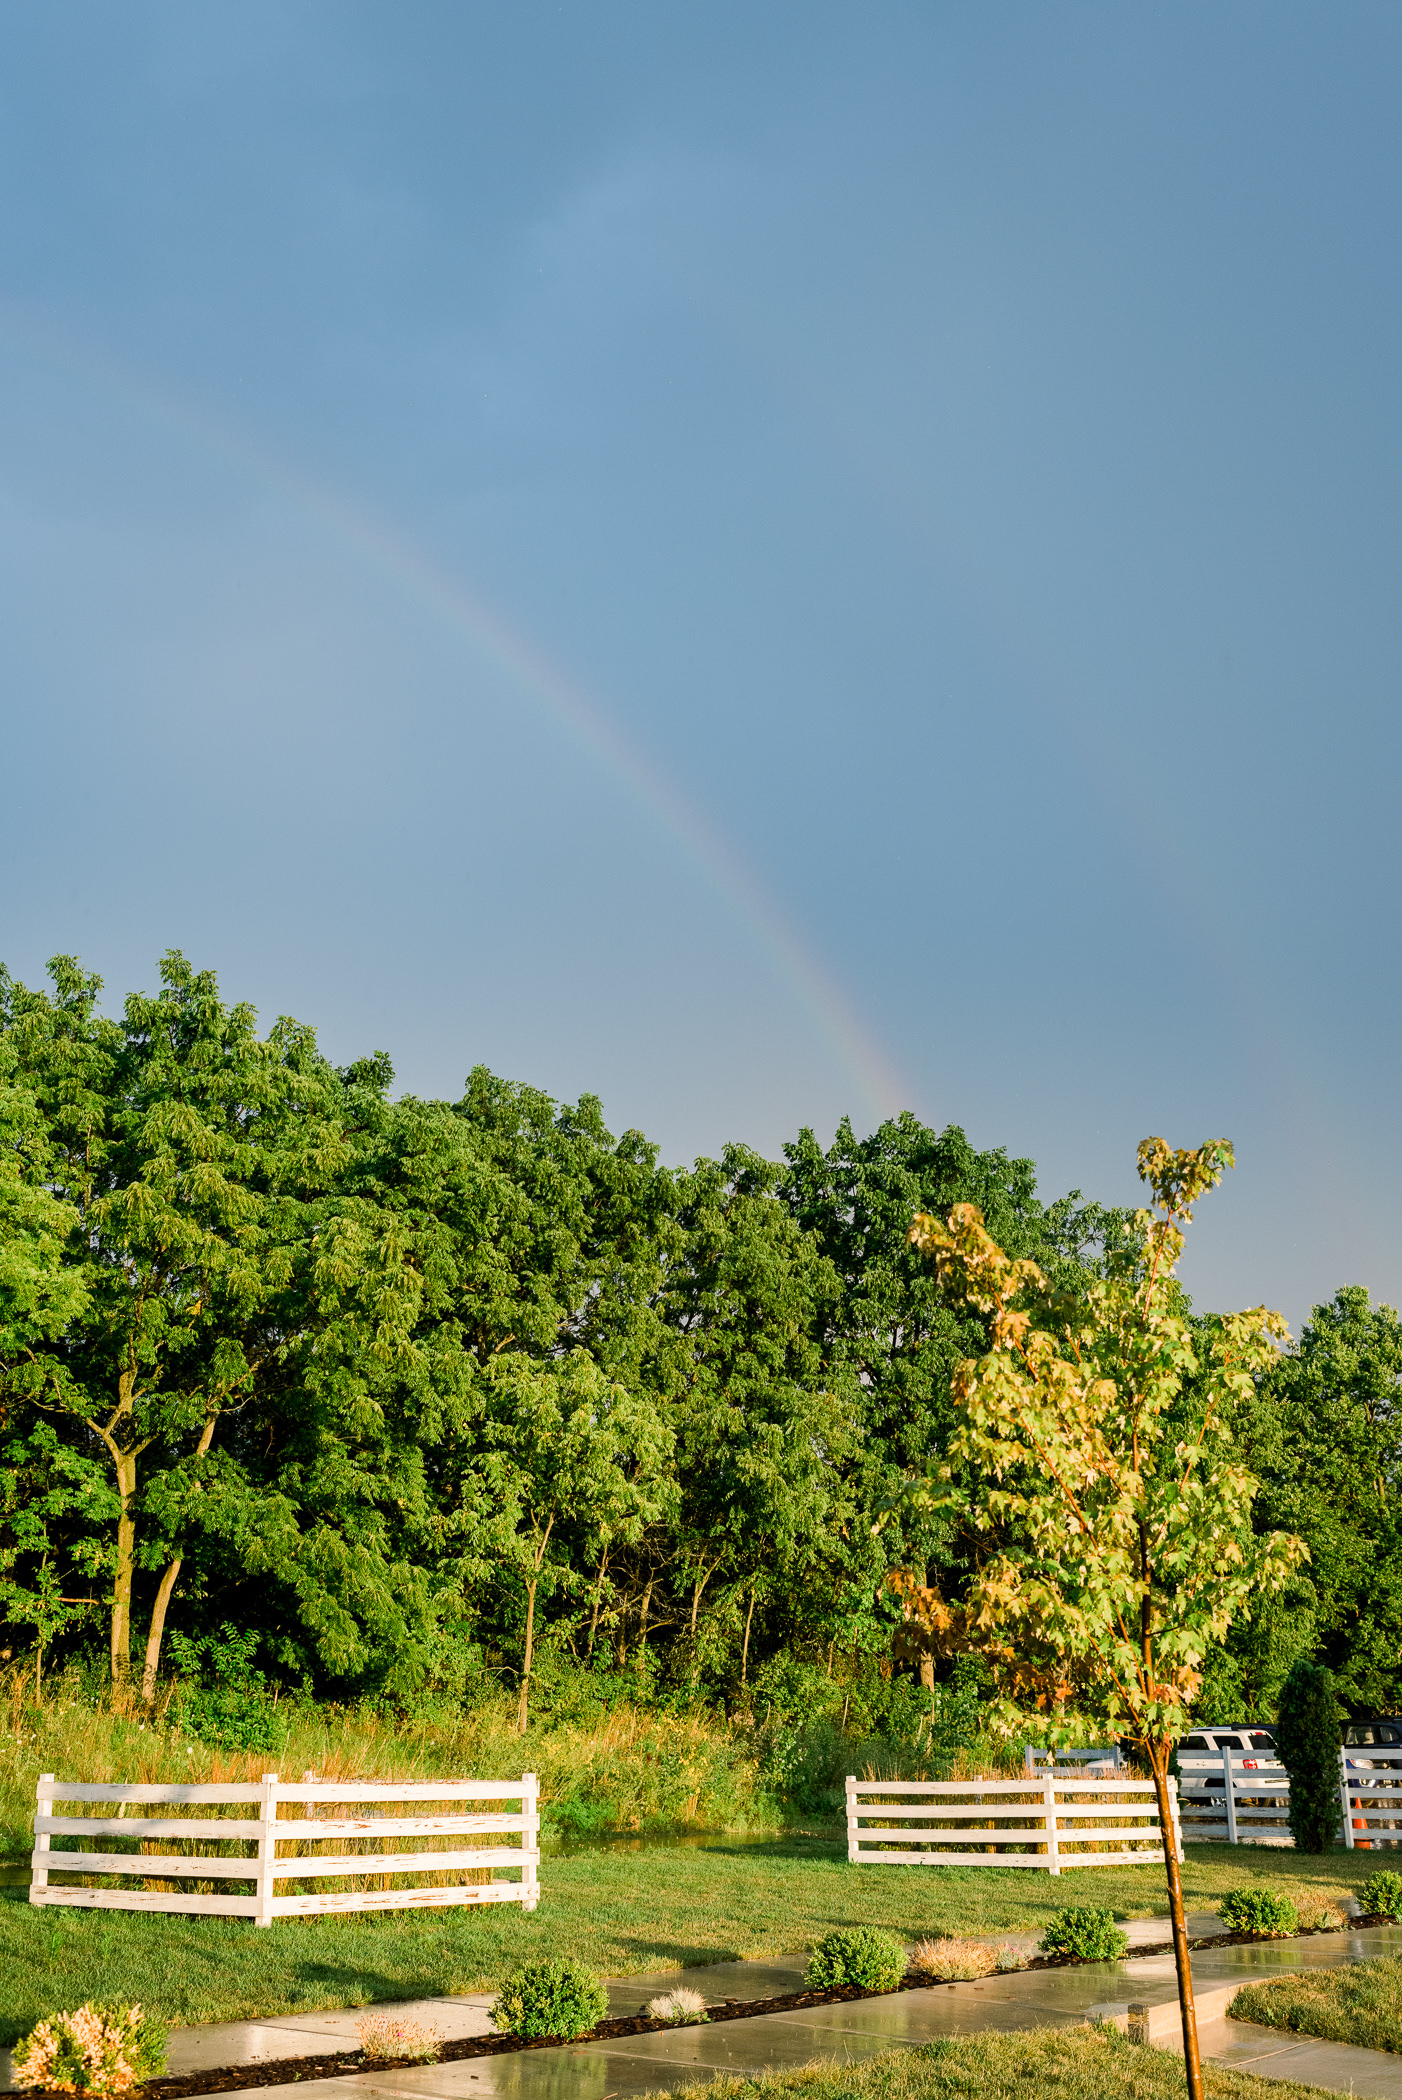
(1046, 1821)
(1236, 1800)
(1370, 1787)
(367, 1842)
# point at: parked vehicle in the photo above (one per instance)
(1253, 1742)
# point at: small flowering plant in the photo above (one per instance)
(99, 2049)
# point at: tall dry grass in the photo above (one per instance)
(632, 1769)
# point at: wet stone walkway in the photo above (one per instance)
(639, 2064)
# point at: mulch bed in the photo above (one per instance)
(288, 2070)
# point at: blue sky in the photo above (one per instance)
(761, 560)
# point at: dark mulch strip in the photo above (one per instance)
(288, 2070)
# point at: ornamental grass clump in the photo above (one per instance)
(559, 1998)
(857, 1957)
(100, 2049)
(682, 2008)
(1088, 1934)
(1263, 1913)
(953, 1960)
(388, 2041)
(1381, 1895)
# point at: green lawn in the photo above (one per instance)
(1078, 2063)
(1361, 2003)
(620, 1910)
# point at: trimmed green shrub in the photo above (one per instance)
(1090, 1933)
(859, 1957)
(1264, 1913)
(550, 1997)
(1381, 1895)
(1307, 1737)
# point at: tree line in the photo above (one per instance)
(417, 1393)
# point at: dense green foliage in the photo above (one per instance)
(1088, 1932)
(398, 1397)
(856, 1957)
(1265, 1913)
(1307, 1738)
(309, 1391)
(1381, 1895)
(560, 1997)
(1324, 1437)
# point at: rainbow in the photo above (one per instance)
(530, 673)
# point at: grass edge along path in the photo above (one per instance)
(1074, 2063)
(621, 1911)
(1360, 2003)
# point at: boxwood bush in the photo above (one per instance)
(1381, 1895)
(550, 1997)
(1090, 1933)
(1264, 1913)
(857, 1957)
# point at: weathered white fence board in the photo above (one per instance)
(949, 1822)
(262, 1865)
(1371, 1797)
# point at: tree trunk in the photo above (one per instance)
(927, 1674)
(522, 1710)
(745, 1651)
(642, 1629)
(156, 1629)
(163, 1597)
(598, 1597)
(697, 1587)
(1158, 1760)
(122, 1573)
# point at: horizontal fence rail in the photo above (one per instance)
(1370, 1789)
(1236, 1800)
(1046, 1821)
(1246, 1800)
(265, 1848)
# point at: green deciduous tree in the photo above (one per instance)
(1096, 1433)
(195, 1168)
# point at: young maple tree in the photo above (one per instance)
(1093, 1452)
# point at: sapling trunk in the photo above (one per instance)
(1158, 1760)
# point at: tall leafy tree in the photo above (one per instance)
(197, 1166)
(1324, 1432)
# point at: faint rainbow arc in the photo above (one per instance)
(420, 576)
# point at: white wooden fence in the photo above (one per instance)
(1372, 1798)
(1046, 1820)
(1245, 1801)
(210, 1846)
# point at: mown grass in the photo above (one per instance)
(1361, 2003)
(1076, 2063)
(622, 1911)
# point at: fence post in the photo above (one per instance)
(1343, 1796)
(43, 1805)
(530, 1840)
(1053, 1849)
(1231, 1796)
(852, 1831)
(267, 1849)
